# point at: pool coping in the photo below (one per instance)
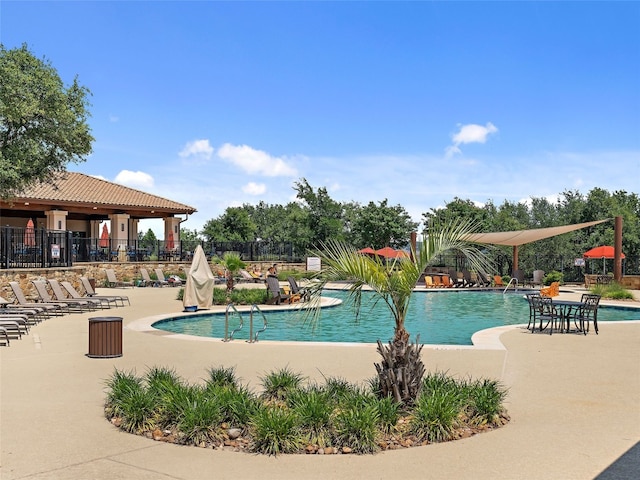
(486, 339)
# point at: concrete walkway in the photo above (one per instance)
(574, 402)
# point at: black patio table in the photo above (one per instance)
(567, 308)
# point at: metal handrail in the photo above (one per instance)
(510, 281)
(255, 307)
(227, 337)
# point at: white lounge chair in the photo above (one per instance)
(113, 281)
(148, 281)
(61, 296)
(92, 293)
(104, 302)
(51, 308)
(41, 288)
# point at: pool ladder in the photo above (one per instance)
(254, 308)
(513, 280)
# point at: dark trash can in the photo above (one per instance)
(105, 337)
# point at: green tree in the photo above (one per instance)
(455, 210)
(148, 240)
(381, 225)
(234, 225)
(324, 219)
(232, 263)
(43, 125)
(400, 373)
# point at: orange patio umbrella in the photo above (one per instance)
(603, 252)
(389, 252)
(30, 234)
(367, 251)
(104, 237)
(170, 242)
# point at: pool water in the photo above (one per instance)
(444, 318)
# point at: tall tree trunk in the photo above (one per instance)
(401, 370)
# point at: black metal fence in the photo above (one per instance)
(34, 248)
(22, 247)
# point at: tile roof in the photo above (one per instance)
(74, 187)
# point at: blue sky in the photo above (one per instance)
(216, 104)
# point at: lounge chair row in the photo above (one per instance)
(54, 299)
(58, 298)
(455, 279)
(146, 280)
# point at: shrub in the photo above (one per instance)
(435, 415)
(486, 397)
(356, 428)
(198, 416)
(279, 384)
(614, 291)
(388, 413)
(238, 296)
(313, 407)
(276, 430)
(552, 276)
(338, 388)
(290, 417)
(222, 377)
(130, 401)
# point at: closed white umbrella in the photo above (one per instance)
(198, 291)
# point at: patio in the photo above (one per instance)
(573, 402)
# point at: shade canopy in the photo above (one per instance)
(604, 251)
(367, 251)
(520, 237)
(198, 291)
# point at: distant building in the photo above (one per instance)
(79, 203)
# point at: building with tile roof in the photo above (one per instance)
(79, 203)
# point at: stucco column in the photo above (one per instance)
(133, 230)
(56, 219)
(94, 228)
(119, 230)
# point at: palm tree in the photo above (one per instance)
(232, 262)
(392, 282)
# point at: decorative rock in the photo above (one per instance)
(234, 433)
(329, 450)
(321, 451)
(116, 421)
(346, 450)
(157, 434)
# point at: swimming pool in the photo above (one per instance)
(444, 318)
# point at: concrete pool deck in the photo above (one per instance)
(574, 402)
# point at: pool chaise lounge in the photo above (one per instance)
(86, 284)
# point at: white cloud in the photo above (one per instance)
(256, 161)
(253, 188)
(470, 133)
(135, 179)
(114, 118)
(197, 148)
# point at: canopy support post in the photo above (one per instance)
(617, 250)
(515, 258)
